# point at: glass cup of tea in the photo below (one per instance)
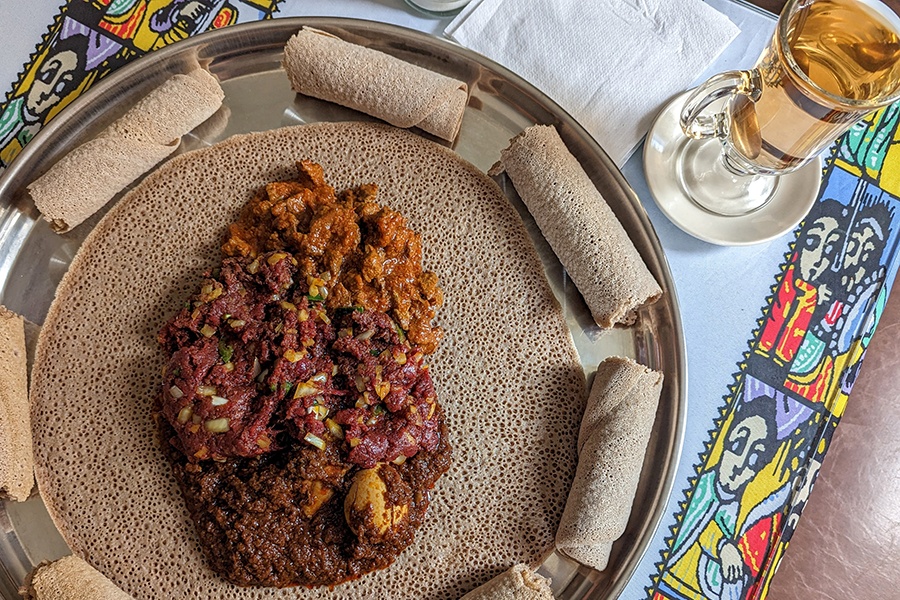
(828, 64)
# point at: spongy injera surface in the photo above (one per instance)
(506, 373)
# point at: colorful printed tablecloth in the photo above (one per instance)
(775, 332)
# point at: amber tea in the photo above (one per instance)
(825, 68)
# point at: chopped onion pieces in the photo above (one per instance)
(293, 356)
(314, 440)
(217, 425)
(184, 415)
(305, 389)
(335, 429)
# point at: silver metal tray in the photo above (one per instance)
(246, 59)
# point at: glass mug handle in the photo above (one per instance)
(697, 125)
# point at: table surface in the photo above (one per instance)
(830, 555)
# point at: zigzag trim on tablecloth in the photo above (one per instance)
(805, 416)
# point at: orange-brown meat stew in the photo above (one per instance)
(364, 253)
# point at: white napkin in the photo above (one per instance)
(612, 64)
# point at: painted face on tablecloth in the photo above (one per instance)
(745, 452)
(60, 72)
(54, 77)
(820, 245)
(864, 247)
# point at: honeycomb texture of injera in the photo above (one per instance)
(612, 443)
(507, 372)
(579, 225)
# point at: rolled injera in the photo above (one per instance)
(86, 178)
(16, 457)
(579, 225)
(70, 578)
(612, 442)
(518, 583)
(405, 95)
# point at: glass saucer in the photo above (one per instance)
(792, 198)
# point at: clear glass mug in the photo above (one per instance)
(828, 64)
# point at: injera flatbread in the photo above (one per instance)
(612, 442)
(506, 372)
(70, 578)
(324, 66)
(579, 225)
(16, 457)
(85, 179)
(518, 583)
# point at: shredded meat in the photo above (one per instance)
(365, 252)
